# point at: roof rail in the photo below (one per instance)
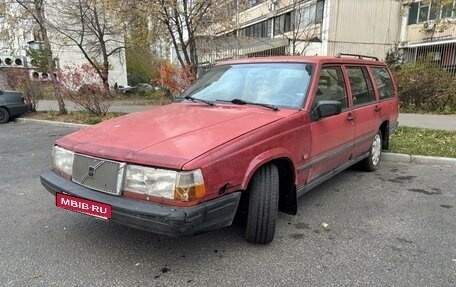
(339, 55)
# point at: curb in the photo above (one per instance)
(386, 156)
(54, 123)
(419, 159)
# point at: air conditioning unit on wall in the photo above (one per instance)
(39, 76)
(12, 61)
(429, 26)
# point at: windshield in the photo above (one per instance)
(278, 84)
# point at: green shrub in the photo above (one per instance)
(93, 120)
(136, 78)
(425, 87)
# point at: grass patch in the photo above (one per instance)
(77, 117)
(149, 98)
(418, 141)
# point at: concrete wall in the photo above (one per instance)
(69, 56)
(363, 27)
(417, 33)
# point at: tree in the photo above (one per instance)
(304, 28)
(36, 10)
(81, 86)
(394, 57)
(91, 25)
(141, 34)
(184, 21)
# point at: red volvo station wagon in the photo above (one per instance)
(250, 136)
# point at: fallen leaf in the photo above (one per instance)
(36, 275)
(325, 225)
(138, 264)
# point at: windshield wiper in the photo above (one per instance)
(198, 100)
(242, 102)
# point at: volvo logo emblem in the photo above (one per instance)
(91, 172)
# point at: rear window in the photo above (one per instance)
(384, 83)
(361, 86)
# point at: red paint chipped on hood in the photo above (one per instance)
(171, 135)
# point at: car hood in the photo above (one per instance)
(171, 135)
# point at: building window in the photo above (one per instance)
(309, 14)
(306, 15)
(303, 16)
(251, 3)
(421, 12)
(319, 11)
(283, 23)
(448, 11)
(258, 30)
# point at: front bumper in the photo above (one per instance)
(153, 217)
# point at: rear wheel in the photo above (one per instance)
(372, 162)
(263, 205)
(4, 115)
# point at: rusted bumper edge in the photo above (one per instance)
(153, 217)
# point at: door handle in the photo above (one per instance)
(351, 117)
(378, 108)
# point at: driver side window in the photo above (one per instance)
(331, 86)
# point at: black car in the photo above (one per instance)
(11, 105)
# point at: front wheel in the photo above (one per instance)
(4, 115)
(263, 205)
(372, 162)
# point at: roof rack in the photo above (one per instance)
(339, 55)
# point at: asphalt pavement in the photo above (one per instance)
(391, 227)
(439, 122)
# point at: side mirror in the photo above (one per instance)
(324, 109)
(1, 92)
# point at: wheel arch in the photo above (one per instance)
(384, 129)
(287, 179)
(8, 116)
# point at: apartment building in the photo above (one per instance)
(18, 34)
(309, 27)
(429, 30)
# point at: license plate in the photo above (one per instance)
(81, 205)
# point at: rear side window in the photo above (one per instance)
(384, 83)
(361, 85)
(331, 86)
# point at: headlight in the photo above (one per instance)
(181, 186)
(62, 160)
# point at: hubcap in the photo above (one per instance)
(376, 149)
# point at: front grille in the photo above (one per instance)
(99, 174)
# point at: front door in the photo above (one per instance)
(331, 137)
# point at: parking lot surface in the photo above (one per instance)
(393, 227)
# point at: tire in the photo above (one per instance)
(263, 205)
(4, 115)
(372, 162)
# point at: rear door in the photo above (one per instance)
(366, 109)
(331, 137)
(387, 95)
